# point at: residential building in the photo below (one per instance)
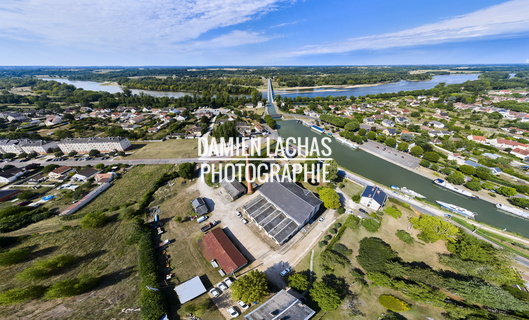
(402, 121)
(281, 209)
(10, 175)
(520, 153)
(59, 173)
(52, 120)
(388, 123)
(84, 145)
(373, 197)
(199, 206)
(37, 146)
(283, 305)
(101, 178)
(436, 124)
(8, 194)
(234, 189)
(84, 174)
(216, 246)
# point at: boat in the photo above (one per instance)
(306, 124)
(346, 142)
(455, 189)
(513, 210)
(457, 209)
(317, 129)
(411, 193)
(394, 187)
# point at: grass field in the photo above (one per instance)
(350, 188)
(172, 148)
(186, 258)
(367, 296)
(102, 252)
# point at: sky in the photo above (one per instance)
(262, 32)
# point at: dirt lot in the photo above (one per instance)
(172, 148)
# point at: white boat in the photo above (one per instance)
(513, 210)
(457, 209)
(346, 142)
(455, 189)
(317, 129)
(411, 193)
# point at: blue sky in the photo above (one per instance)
(262, 32)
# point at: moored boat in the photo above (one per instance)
(411, 193)
(455, 189)
(346, 142)
(457, 209)
(317, 129)
(513, 210)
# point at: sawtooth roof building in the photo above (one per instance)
(281, 209)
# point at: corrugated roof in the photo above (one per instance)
(190, 289)
(216, 245)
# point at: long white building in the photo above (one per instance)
(27, 146)
(84, 145)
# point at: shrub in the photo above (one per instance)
(10, 257)
(393, 211)
(68, 288)
(334, 231)
(374, 255)
(341, 210)
(337, 225)
(393, 303)
(21, 294)
(342, 249)
(299, 282)
(356, 198)
(352, 222)
(404, 236)
(371, 225)
(44, 268)
(94, 220)
(322, 243)
(328, 237)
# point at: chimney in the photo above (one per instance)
(248, 183)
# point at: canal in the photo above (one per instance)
(386, 173)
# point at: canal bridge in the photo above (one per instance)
(271, 106)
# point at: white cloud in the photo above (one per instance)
(508, 18)
(231, 39)
(127, 24)
(288, 23)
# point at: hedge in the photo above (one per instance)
(393, 303)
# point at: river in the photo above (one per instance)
(403, 85)
(386, 173)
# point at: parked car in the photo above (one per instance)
(233, 313)
(228, 282)
(222, 286)
(238, 214)
(243, 305)
(214, 292)
(285, 272)
(244, 221)
(321, 219)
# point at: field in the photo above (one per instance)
(367, 296)
(172, 148)
(185, 257)
(101, 252)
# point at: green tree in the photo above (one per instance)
(473, 185)
(507, 191)
(425, 163)
(332, 170)
(405, 237)
(72, 153)
(325, 296)
(270, 121)
(58, 154)
(226, 130)
(93, 220)
(381, 138)
(374, 254)
(390, 142)
(42, 269)
(99, 166)
(371, 135)
(72, 287)
(94, 153)
(431, 156)
(417, 151)
(299, 282)
(466, 169)
(456, 177)
(14, 256)
(403, 146)
(488, 185)
(21, 294)
(434, 228)
(330, 198)
(251, 288)
(352, 125)
(186, 170)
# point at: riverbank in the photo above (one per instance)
(341, 86)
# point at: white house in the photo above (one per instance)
(373, 197)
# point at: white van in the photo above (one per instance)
(202, 219)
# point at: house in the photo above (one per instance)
(436, 124)
(59, 173)
(234, 189)
(369, 121)
(494, 170)
(402, 121)
(520, 153)
(216, 246)
(479, 139)
(8, 194)
(281, 209)
(84, 174)
(101, 178)
(439, 133)
(52, 120)
(388, 123)
(199, 206)
(504, 143)
(390, 131)
(283, 305)
(373, 197)
(38, 178)
(190, 289)
(10, 175)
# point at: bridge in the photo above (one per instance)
(271, 106)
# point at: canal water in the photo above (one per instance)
(382, 88)
(386, 173)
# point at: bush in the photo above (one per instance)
(299, 282)
(333, 231)
(393, 211)
(337, 225)
(322, 243)
(10, 257)
(328, 237)
(404, 236)
(356, 198)
(374, 255)
(371, 225)
(43, 268)
(393, 303)
(21, 294)
(94, 220)
(352, 222)
(341, 210)
(68, 288)
(342, 249)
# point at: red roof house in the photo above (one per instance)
(215, 245)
